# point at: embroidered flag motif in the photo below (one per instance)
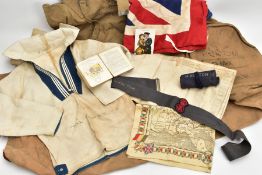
(140, 137)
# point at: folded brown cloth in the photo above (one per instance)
(238, 117)
(98, 21)
(123, 7)
(3, 76)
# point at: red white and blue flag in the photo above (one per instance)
(180, 25)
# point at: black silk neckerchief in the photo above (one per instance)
(199, 79)
(136, 89)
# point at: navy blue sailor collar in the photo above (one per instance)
(69, 72)
(50, 55)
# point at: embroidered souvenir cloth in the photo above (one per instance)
(162, 135)
(44, 96)
(180, 24)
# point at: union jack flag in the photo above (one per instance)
(169, 18)
(160, 15)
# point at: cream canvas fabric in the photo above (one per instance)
(75, 143)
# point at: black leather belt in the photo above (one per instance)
(180, 105)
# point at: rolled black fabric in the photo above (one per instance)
(199, 79)
(231, 150)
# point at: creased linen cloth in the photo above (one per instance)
(45, 97)
(99, 20)
(180, 24)
(228, 48)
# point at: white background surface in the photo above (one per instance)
(18, 17)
